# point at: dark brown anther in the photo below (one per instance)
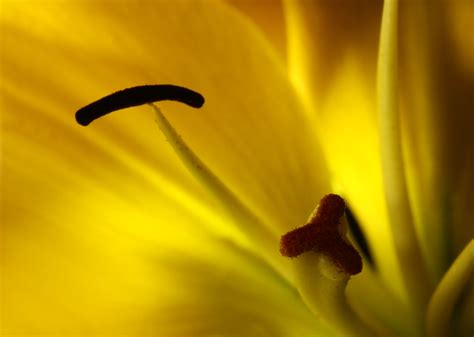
(137, 96)
(321, 234)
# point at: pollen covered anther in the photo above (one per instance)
(135, 96)
(322, 234)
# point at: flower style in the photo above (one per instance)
(106, 232)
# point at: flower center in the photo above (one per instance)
(325, 234)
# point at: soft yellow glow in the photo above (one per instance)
(105, 232)
(408, 249)
(260, 234)
(460, 15)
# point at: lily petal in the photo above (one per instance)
(251, 131)
(89, 212)
(269, 17)
(118, 274)
(436, 97)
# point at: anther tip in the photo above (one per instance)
(331, 208)
(135, 96)
(198, 101)
(82, 118)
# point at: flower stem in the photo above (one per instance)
(441, 305)
(403, 230)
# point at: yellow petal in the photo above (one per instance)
(459, 22)
(436, 98)
(91, 213)
(112, 273)
(455, 283)
(250, 132)
(268, 16)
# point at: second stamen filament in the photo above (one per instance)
(322, 287)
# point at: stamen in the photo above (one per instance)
(252, 226)
(322, 273)
(137, 96)
(323, 234)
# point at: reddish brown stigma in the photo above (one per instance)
(321, 234)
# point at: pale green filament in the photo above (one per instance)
(440, 309)
(251, 226)
(407, 246)
(322, 287)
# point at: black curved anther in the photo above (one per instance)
(137, 96)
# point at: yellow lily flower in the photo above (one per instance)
(106, 233)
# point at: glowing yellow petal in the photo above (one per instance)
(440, 315)
(260, 236)
(91, 213)
(80, 234)
(122, 273)
(250, 132)
(412, 264)
(460, 21)
(436, 100)
(268, 15)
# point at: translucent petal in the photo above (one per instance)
(91, 215)
(459, 22)
(268, 16)
(75, 267)
(251, 131)
(436, 97)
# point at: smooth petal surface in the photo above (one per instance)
(436, 96)
(269, 17)
(90, 215)
(251, 131)
(107, 277)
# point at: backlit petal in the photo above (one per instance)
(91, 215)
(436, 96)
(269, 17)
(250, 131)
